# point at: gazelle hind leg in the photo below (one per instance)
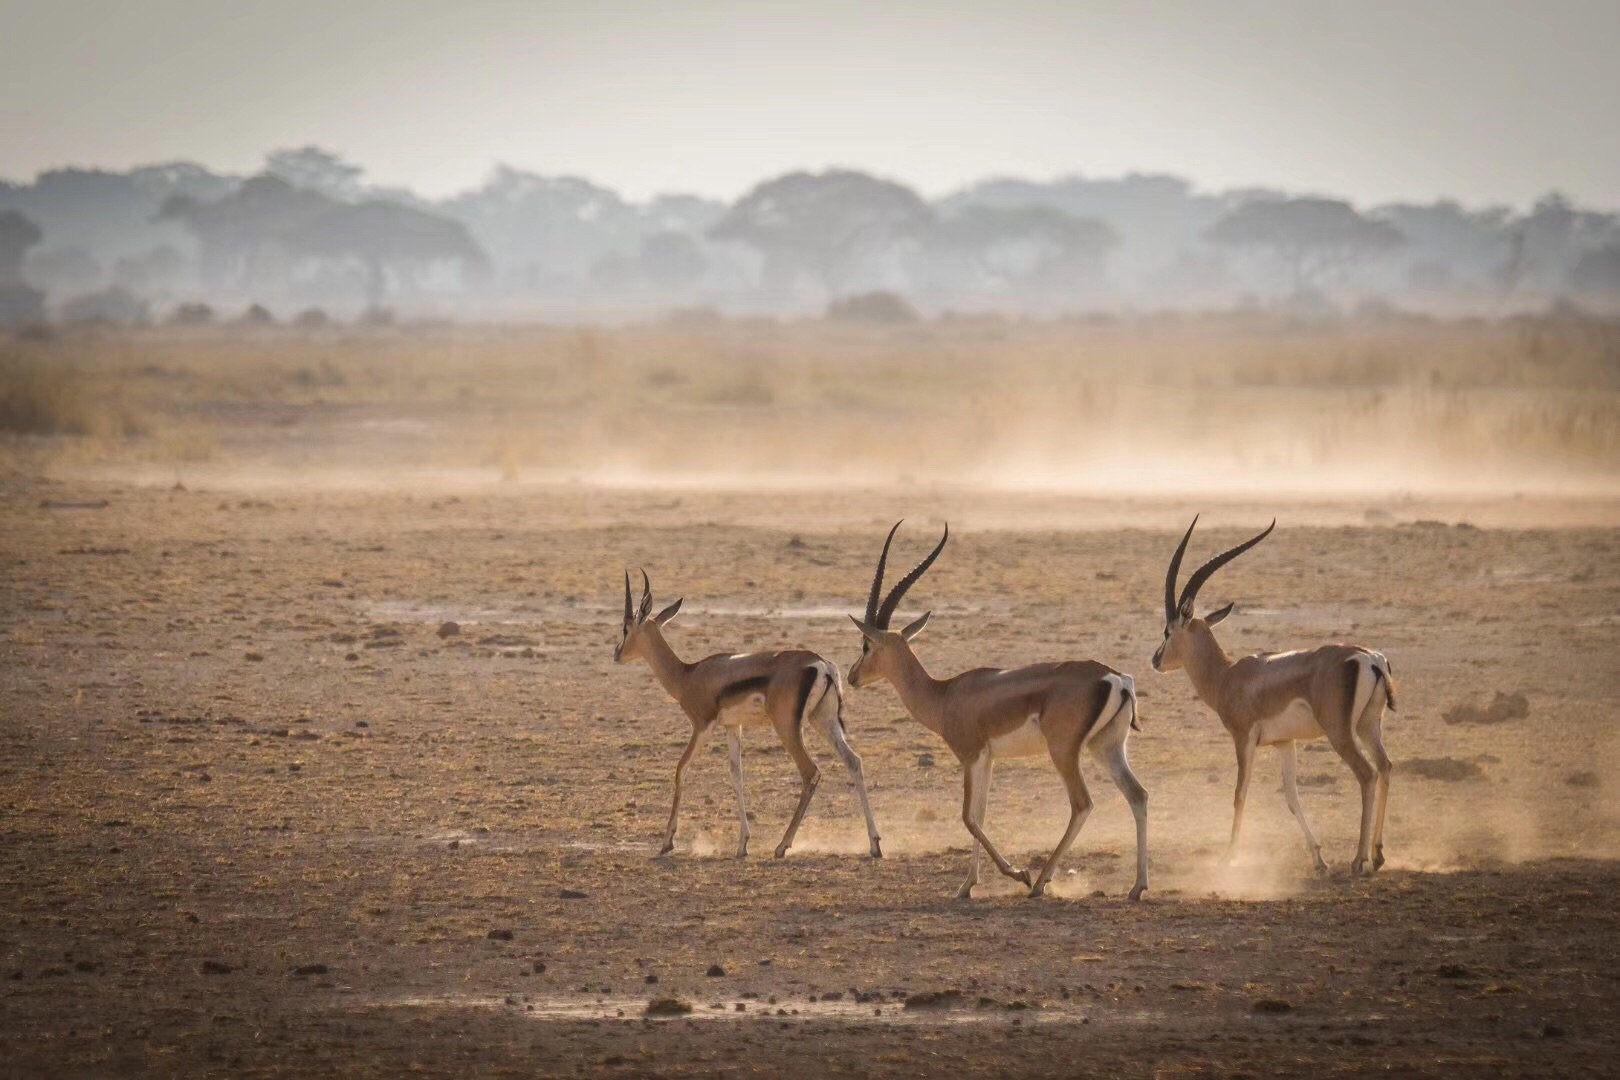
(791, 729)
(1066, 756)
(830, 722)
(1112, 754)
(734, 738)
(1290, 770)
(1370, 728)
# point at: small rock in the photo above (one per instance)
(215, 967)
(715, 972)
(652, 979)
(1552, 1031)
(571, 894)
(1453, 971)
(499, 935)
(449, 629)
(1272, 1005)
(305, 970)
(668, 1006)
(253, 657)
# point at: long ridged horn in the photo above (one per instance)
(628, 612)
(646, 596)
(1203, 573)
(892, 601)
(877, 579)
(1173, 573)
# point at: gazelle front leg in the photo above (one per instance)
(857, 776)
(698, 731)
(734, 737)
(979, 772)
(975, 804)
(1290, 768)
(1245, 764)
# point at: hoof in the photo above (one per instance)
(1023, 875)
(965, 892)
(877, 851)
(742, 853)
(1359, 867)
(781, 853)
(1037, 889)
(1378, 860)
(1321, 867)
(665, 850)
(1136, 893)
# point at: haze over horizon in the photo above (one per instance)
(1375, 102)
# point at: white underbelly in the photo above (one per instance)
(1025, 740)
(1297, 721)
(745, 712)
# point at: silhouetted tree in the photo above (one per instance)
(671, 259)
(384, 236)
(314, 169)
(233, 230)
(1028, 246)
(1598, 270)
(823, 224)
(19, 302)
(1313, 237)
(17, 235)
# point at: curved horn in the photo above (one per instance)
(628, 613)
(1173, 573)
(1203, 573)
(899, 591)
(877, 579)
(646, 595)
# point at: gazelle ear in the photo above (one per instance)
(868, 631)
(668, 613)
(917, 627)
(1218, 614)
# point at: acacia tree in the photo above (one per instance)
(384, 236)
(1030, 246)
(823, 224)
(17, 235)
(1314, 238)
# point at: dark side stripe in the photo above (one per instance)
(744, 688)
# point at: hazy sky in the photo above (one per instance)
(1486, 100)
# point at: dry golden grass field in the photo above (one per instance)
(259, 817)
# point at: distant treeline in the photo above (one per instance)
(308, 234)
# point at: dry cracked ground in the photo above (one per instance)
(262, 813)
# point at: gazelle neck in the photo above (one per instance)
(1206, 664)
(920, 692)
(667, 668)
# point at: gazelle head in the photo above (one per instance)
(637, 626)
(880, 646)
(1181, 626)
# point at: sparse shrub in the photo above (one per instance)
(46, 399)
(873, 307)
(257, 315)
(191, 315)
(312, 319)
(117, 306)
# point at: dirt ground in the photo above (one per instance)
(259, 817)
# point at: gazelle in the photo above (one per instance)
(783, 689)
(989, 713)
(1274, 699)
